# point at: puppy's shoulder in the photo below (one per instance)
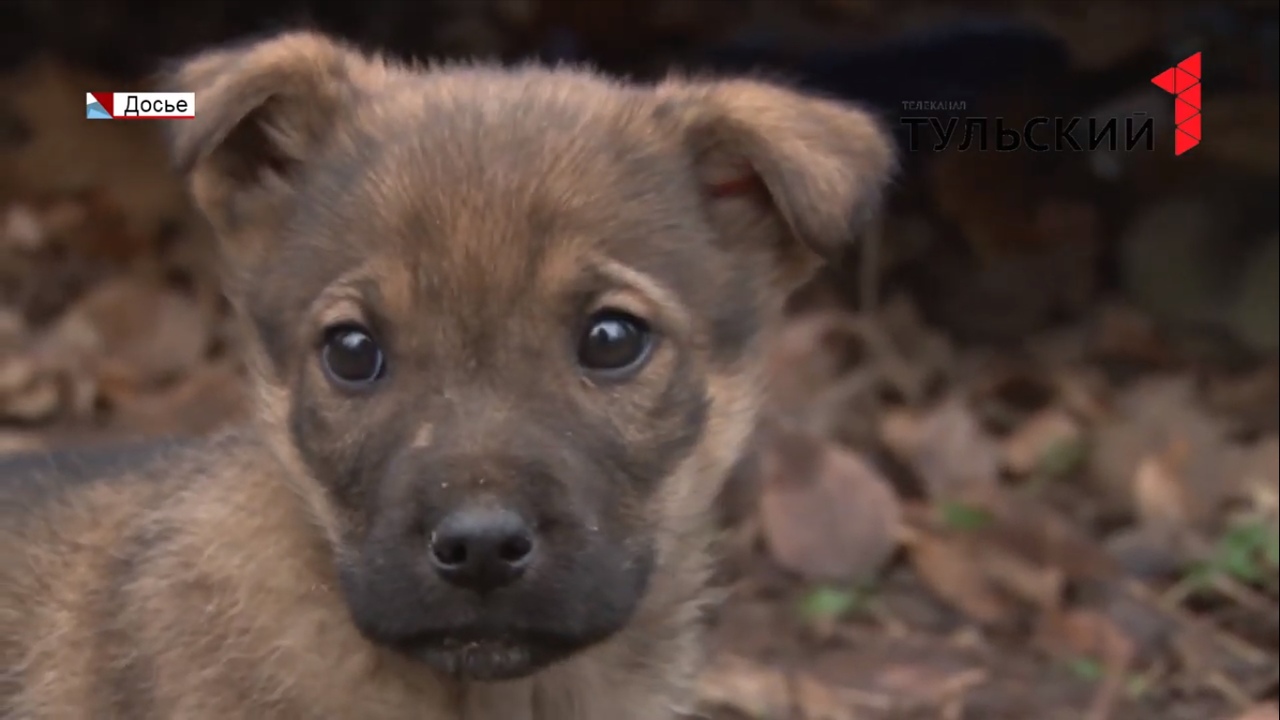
(33, 480)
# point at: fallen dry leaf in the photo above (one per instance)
(826, 514)
(1122, 333)
(27, 394)
(815, 700)
(1038, 585)
(745, 687)
(1149, 552)
(819, 377)
(1023, 524)
(1010, 393)
(1032, 446)
(1153, 415)
(1261, 477)
(1083, 632)
(1159, 495)
(1248, 398)
(922, 685)
(952, 569)
(1085, 393)
(810, 353)
(148, 334)
(1261, 711)
(13, 329)
(997, 553)
(910, 355)
(946, 447)
(762, 693)
(829, 370)
(21, 229)
(20, 441)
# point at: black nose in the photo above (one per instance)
(482, 549)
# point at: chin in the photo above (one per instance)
(491, 660)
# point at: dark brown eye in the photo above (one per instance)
(614, 342)
(351, 357)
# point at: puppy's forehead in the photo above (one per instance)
(473, 158)
(506, 186)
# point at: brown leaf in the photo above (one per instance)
(952, 569)
(919, 686)
(13, 329)
(762, 693)
(1038, 585)
(826, 514)
(27, 394)
(1009, 393)
(1085, 393)
(1261, 711)
(21, 230)
(910, 355)
(148, 334)
(815, 700)
(1152, 416)
(999, 552)
(1032, 445)
(1261, 477)
(20, 442)
(946, 447)
(745, 687)
(1125, 333)
(1149, 552)
(1249, 398)
(1033, 529)
(1083, 632)
(811, 353)
(1159, 495)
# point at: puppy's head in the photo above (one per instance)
(510, 319)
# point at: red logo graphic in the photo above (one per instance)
(1183, 81)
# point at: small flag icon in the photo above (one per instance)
(96, 109)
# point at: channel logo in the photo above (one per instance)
(1183, 82)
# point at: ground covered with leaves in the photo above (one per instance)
(1060, 519)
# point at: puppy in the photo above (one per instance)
(506, 330)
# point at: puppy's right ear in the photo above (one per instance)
(261, 110)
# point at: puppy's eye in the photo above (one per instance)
(351, 356)
(614, 342)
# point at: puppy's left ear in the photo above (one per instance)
(797, 174)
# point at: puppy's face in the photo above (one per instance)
(513, 317)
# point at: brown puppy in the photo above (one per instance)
(507, 330)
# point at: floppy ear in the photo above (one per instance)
(261, 110)
(799, 174)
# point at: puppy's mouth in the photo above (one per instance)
(485, 657)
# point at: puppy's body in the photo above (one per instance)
(506, 331)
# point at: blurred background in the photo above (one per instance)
(1021, 459)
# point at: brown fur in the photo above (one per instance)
(472, 215)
